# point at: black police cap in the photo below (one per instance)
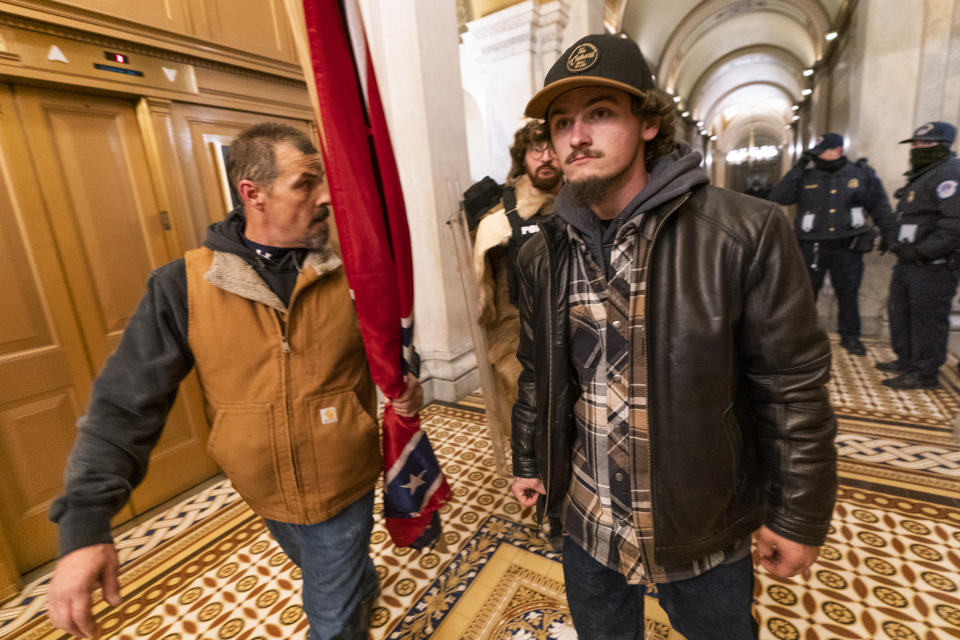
(933, 132)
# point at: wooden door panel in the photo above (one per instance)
(257, 26)
(169, 15)
(95, 230)
(101, 204)
(44, 372)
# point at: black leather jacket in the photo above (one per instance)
(742, 432)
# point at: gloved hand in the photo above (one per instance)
(907, 252)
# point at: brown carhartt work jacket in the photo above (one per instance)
(293, 420)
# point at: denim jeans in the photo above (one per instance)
(339, 581)
(713, 606)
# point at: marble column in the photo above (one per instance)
(419, 79)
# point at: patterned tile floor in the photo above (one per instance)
(206, 567)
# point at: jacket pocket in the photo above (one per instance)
(731, 428)
(345, 441)
(243, 443)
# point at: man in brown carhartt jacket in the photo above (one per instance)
(262, 312)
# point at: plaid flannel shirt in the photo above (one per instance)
(608, 509)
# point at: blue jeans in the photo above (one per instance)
(339, 581)
(713, 606)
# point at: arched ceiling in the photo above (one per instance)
(736, 64)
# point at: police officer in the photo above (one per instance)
(926, 241)
(833, 198)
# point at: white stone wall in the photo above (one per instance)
(419, 79)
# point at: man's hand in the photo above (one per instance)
(76, 576)
(409, 403)
(527, 489)
(907, 252)
(782, 557)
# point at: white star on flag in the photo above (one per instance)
(415, 482)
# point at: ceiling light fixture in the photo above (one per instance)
(807, 73)
(685, 114)
(676, 98)
(806, 92)
(831, 35)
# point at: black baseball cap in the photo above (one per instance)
(826, 141)
(596, 60)
(934, 132)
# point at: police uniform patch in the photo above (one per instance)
(582, 58)
(854, 183)
(946, 189)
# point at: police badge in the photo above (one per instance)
(946, 189)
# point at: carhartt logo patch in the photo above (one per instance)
(582, 58)
(911, 196)
(946, 189)
(854, 183)
(328, 415)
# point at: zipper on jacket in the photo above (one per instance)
(646, 314)
(285, 347)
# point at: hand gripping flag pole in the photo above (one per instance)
(375, 241)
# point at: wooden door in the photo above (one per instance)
(44, 374)
(92, 178)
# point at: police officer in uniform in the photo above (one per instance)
(927, 242)
(833, 198)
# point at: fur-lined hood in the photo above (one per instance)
(494, 231)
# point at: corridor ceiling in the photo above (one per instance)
(737, 65)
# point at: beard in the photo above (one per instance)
(592, 190)
(318, 237)
(595, 189)
(545, 182)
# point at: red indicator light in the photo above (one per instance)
(116, 57)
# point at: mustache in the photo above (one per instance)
(323, 212)
(582, 153)
(548, 167)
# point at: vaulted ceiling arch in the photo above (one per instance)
(709, 15)
(748, 60)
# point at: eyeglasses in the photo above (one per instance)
(540, 149)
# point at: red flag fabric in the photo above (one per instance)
(375, 241)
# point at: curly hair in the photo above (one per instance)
(532, 134)
(656, 107)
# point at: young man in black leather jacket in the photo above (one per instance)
(672, 396)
